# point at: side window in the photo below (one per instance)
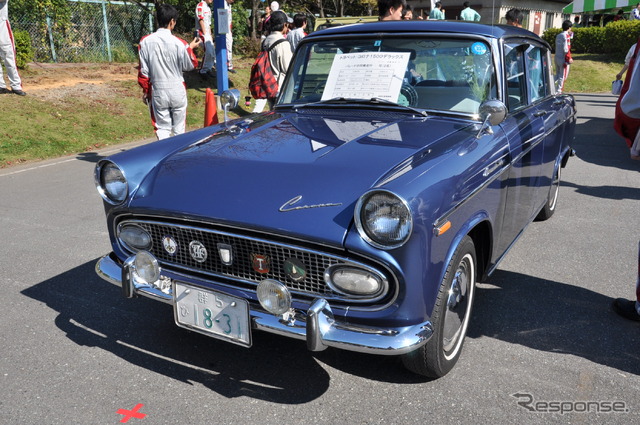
(537, 73)
(516, 81)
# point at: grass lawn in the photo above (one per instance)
(592, 73)
(82, 107)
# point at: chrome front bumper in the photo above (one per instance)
(317, 325)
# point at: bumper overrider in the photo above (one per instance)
(317, 325)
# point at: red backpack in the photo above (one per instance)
(263, 84)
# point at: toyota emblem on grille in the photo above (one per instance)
(198, 251)
(170, 245)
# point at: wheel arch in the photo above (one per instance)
(480, 230)
(481, 235)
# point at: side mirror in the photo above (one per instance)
(494, 111)
(229, 99)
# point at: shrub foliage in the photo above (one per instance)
(24, 50)
(614, 38)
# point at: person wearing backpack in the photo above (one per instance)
(279, 53)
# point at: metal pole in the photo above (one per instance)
(53, 48)
(221, 50)
(106, 29)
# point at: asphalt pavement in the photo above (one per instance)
(543, 346)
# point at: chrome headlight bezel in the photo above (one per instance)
(369, 235)
(102, 173)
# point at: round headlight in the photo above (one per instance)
(135, 237)
(112, 184)
(274, 297)
(383, 219)
(146, 267)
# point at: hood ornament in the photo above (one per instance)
(290, 205)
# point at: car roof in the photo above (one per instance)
(493, 31)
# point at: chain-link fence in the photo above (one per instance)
(98, 31)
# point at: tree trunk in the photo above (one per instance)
(255, 10)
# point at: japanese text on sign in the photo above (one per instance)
(366, 75)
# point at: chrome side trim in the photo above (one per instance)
(319, 327)
(498, 171)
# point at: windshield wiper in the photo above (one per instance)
(374, 101)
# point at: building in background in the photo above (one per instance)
(538, 14)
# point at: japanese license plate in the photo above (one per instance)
(212, 313)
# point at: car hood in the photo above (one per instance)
(294, 174)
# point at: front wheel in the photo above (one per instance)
(552, 198)
(450, 317)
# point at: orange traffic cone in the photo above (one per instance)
(210, 109)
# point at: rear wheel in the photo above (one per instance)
(450, 317)
(552, 198)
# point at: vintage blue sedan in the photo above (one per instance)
(400, 163)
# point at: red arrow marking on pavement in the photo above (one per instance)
(133, 413)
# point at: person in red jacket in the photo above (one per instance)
(163, 59)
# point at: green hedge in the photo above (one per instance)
(614, 38)
(24, 50)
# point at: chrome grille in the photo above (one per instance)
(243, 247)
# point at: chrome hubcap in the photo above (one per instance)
(555, 188)
(456, 315)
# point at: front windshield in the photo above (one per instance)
(447, 74)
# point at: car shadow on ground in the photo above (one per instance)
(605, 192)
(141, 331)
(540, 314)
(596, 142)
(555, 317)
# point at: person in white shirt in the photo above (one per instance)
(562, 56)
(297, 34)
(635, 13)
(8, 54)
(203, 24)
(627, 59)
(163, 59)
(229, 38)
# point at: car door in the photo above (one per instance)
(551, 109)
(524, 127)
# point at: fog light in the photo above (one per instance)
(274, 297)
(135, 237)
(352, 281)
(146, 267)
